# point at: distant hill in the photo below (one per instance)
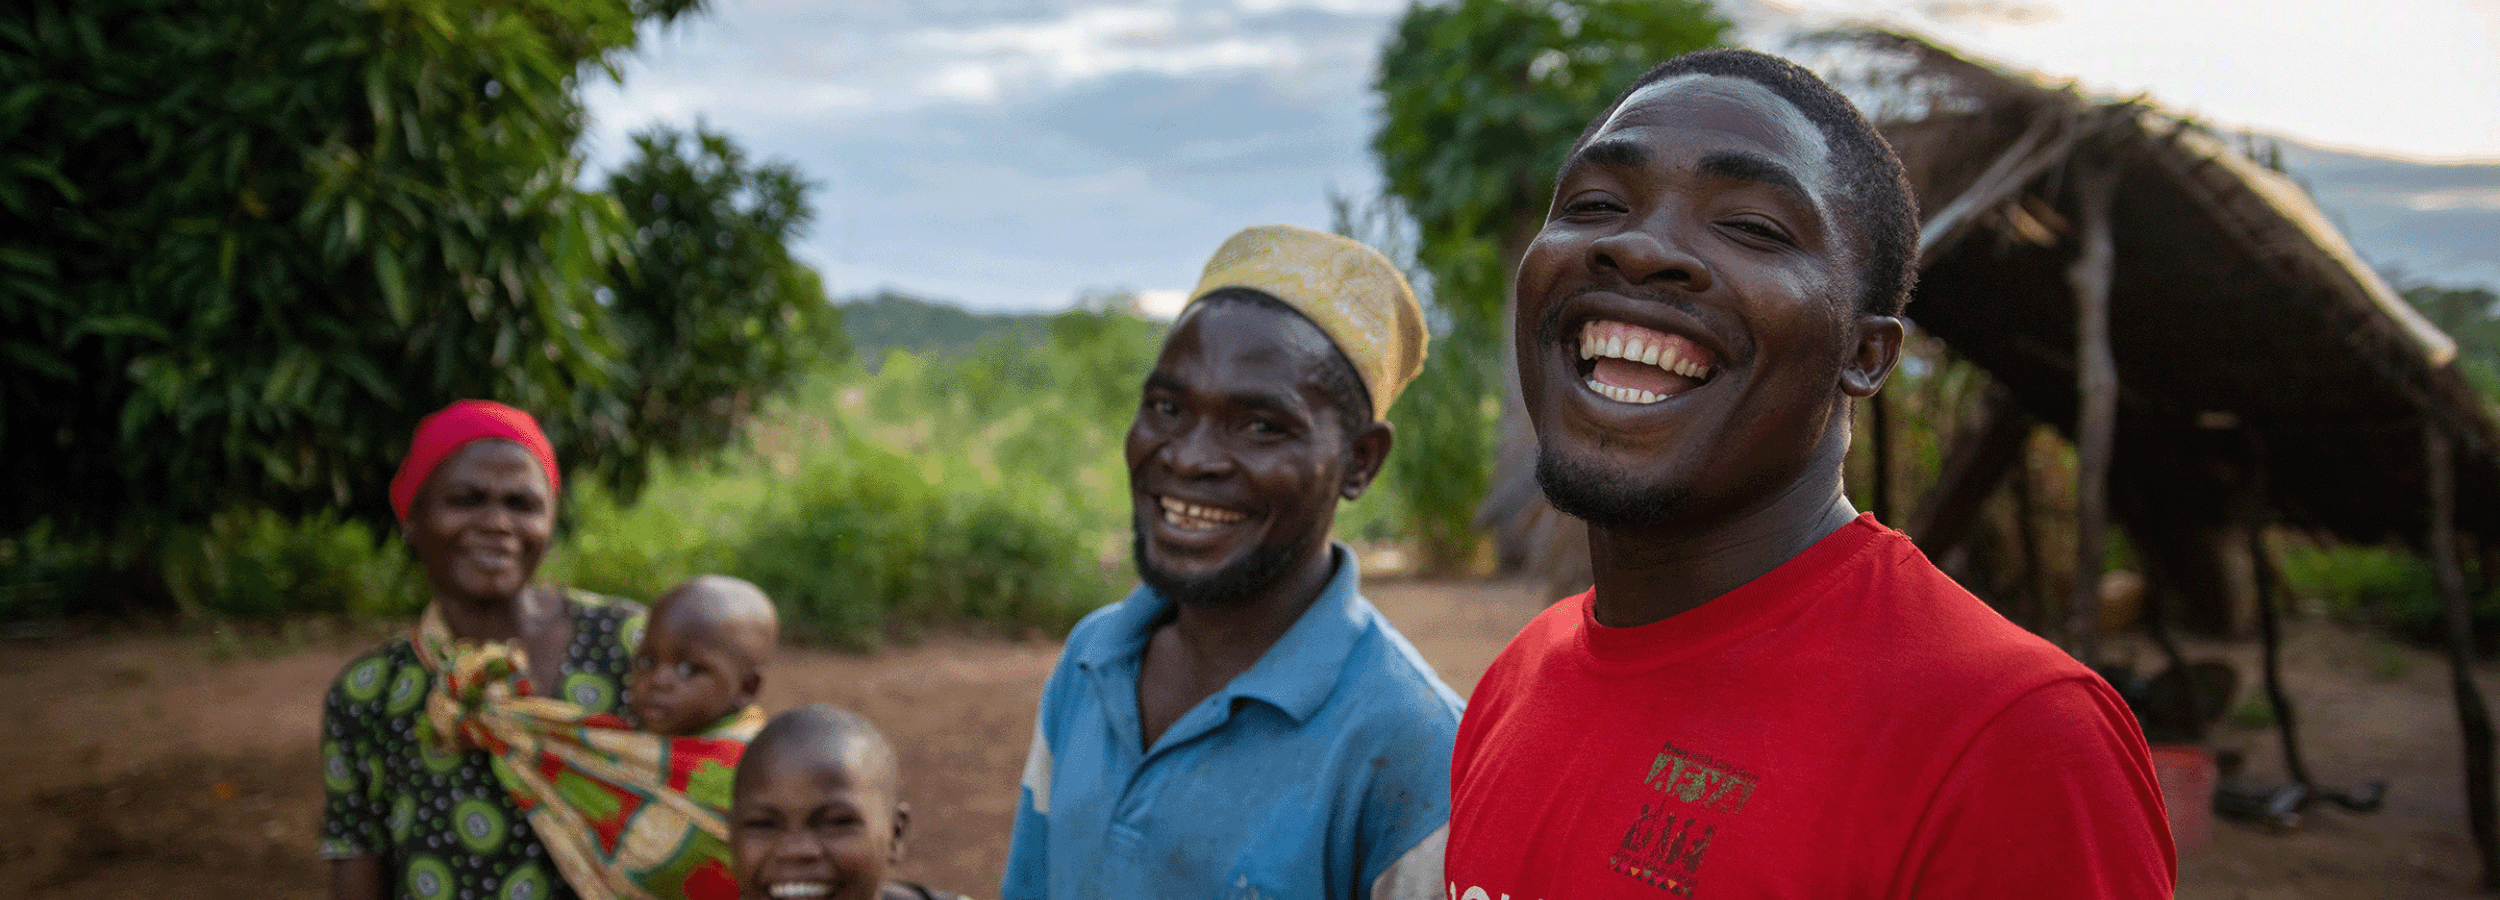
(891, 321)
(2419, 223)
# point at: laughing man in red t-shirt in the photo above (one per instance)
(1766, 694)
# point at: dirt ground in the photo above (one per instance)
(183, 764)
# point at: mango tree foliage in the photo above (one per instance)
(711, 311)
(1480, 100)
(248, 244)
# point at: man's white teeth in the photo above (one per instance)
(1625, 394)
(1191, 515)
(1634, 348)
(798, 889)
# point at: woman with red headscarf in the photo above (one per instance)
(415, 808)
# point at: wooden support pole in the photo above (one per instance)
(2096, 389)
(2270, 630)
(2252, 514)
(2473, 718)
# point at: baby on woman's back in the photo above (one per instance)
(702, 656)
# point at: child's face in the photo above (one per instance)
(806, 827)
(683, 679)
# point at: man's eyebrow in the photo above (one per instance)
(1611, 153)
(1157, 381)
(1755, 168)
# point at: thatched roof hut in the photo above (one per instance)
(2240, 321)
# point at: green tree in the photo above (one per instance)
(247, 244)
(1481, 100)
(711, 311)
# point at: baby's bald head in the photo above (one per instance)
(727, 612)
(702, 655)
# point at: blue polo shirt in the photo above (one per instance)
(1321, 772)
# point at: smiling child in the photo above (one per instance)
(817, 812)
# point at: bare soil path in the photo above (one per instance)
(183, 765)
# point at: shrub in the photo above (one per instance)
(869, 542)
(2388, 588)
(258, 564)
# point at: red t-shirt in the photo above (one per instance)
(1852, 724)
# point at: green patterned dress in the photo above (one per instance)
(443, 825)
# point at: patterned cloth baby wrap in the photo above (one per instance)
(625, 814)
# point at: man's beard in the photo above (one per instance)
(1229, 585)
(1604, 499)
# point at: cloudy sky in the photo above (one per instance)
(1013, 154)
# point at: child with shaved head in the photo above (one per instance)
(817, 812)
(702, 656)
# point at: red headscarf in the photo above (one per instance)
(444, 433)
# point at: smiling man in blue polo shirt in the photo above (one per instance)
(1245, 724)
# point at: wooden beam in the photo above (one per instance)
(2096, 388)
(2482, 812)
(2045, 143)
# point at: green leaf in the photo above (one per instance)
(393, 277)
(122, 325)
(39, 359)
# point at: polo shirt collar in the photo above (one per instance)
(1297, 674)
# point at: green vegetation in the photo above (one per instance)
(248, 244)
(2384, 587)
(939, 489)
(892, 321)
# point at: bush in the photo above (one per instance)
(870, 542)
(44, 576)
(257, 564)
(2387, 588)
(981, 487)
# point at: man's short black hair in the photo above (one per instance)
(1338, 380)
(1878, 204)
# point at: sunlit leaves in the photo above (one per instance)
(248, 244)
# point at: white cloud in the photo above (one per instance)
(1162, 304)
(1094, 43)
(964, 81)
(2461, 198)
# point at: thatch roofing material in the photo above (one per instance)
(2252, 343)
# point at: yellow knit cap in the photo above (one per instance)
(1352, 292)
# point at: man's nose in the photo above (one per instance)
(1652, 253)
(1198, 451)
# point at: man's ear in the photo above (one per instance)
(1364, 456)
(902, 823)
(1875, 347)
